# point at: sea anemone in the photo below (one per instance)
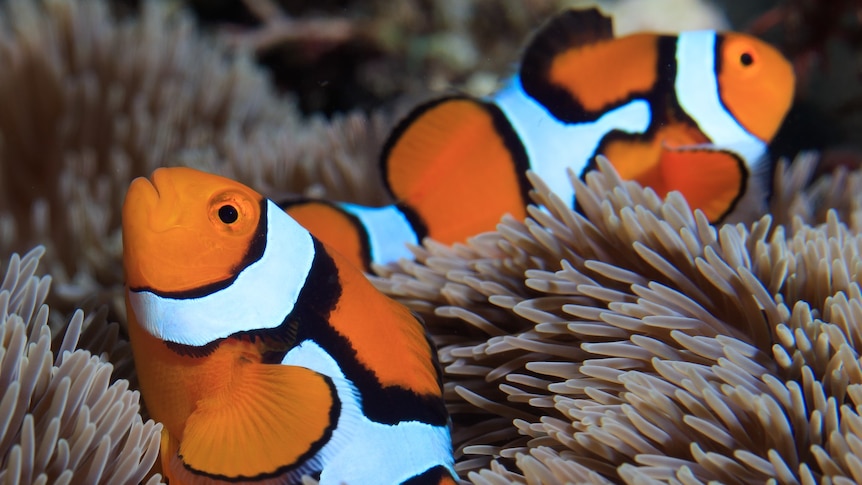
(62, 420)
(633, 341)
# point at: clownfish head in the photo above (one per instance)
(185, 229)
(756, 83)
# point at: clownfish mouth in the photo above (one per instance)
(153, 202)
(142, 193)
(148, 191)
(151, 181)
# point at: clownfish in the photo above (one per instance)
(691, 112)
(265, 354)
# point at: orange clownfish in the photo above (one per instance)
(691, 112)
(266, 355)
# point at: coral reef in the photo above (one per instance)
(628, 342)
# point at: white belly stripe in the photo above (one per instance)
(364, 451)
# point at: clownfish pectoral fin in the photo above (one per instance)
(456, 165)
(712, 180)
(333, 225)
(259, 428)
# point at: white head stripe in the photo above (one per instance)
(388, 231)
(698, 94)
(553, 146)
(262, 295)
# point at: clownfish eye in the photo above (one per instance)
(233, 212)
(228, 214)
(746, 59)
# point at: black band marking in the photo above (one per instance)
(569, 29)
(420, 229)
(511, 142)
(387, 405)
(664, 104)
(431, 476)
(719, 65)
(196, 351)
(743, 186)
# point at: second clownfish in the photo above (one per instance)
(691, 112)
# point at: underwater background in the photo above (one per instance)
(626, 343)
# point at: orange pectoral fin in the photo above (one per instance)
(459, 166)
(267, 424)
(711, 180)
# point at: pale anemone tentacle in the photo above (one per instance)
(623, 342)
(63, 420)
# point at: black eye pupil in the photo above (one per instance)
(228, 214)
(746, 59)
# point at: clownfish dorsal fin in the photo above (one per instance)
(455, 166)
(565, 66)
(256, 425)
(329, 222)
(569, 29)
(363, 235)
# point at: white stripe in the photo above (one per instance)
(697, 91)
(553, 146)
(364, 451)
(388, 231)
(261, 297)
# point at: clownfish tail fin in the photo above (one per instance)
(456, 165)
